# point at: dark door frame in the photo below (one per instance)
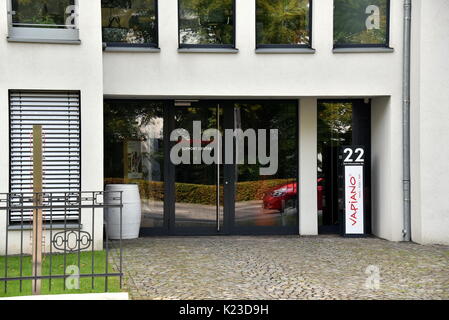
(225, 208)
(229, 188)
(357, 139)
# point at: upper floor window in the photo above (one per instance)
(283, 23)
(361, 23)
(46, 20)
(130, 22)
(206, 23)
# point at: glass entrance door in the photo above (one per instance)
(251, 185)
(198, 174)
(266, 186)
(193, 177)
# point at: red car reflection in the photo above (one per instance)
(278, 197)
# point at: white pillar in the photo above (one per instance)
(386, 167)
(308, 210)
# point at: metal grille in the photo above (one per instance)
(59, 114)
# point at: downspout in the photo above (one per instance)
(406, 121)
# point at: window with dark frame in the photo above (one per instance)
(206, 23)
(129, 23)
(361, 23)
(283, 23)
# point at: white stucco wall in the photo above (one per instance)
(386, 158)
(306, 77)
(58, 67)
(430, 115)
(248, 74)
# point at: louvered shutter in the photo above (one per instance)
(59, 115)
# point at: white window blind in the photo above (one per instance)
(59, 114)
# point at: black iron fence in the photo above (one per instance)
(74, 245)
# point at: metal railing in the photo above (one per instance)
(84, 242)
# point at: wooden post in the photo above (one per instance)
(37, 213)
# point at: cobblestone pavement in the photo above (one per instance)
(284, 267)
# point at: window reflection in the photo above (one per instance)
(334, 131)
(196, 184)
(282, 22)
(361, 23)
(134, 153)
(43, 13)
(130, 22)
(269, 201)
(206, 22)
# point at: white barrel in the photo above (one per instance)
(131, 211)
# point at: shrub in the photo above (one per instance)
(200, 193)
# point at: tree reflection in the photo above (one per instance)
(283, 22)
(206, 22)
(349, 22)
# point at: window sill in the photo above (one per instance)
(56, 226)
(43, 35)
(132, 49)
(285, 50)
(363, 50)
(208, 50)
(49, 41)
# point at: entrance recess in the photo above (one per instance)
(340, 123)
(234, 195)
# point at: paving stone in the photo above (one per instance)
(283, 267)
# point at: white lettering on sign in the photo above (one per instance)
(373, 20)
(349, 152)
(354, 212)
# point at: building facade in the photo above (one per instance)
(122, 76)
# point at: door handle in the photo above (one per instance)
(218, 171)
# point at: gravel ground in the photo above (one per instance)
(283, 267)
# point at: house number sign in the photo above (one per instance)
(353, 185)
